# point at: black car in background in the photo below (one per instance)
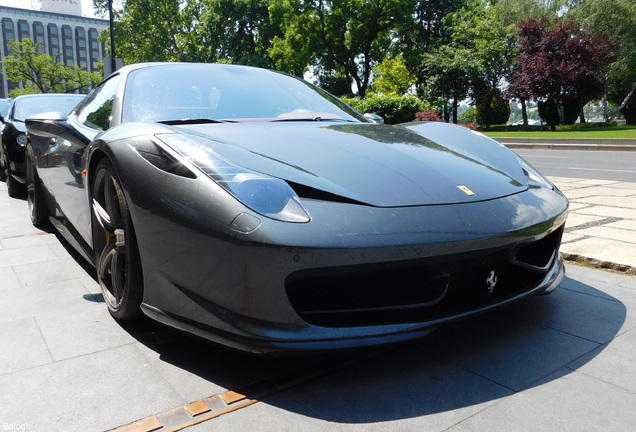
(13, 138)
(4, 107)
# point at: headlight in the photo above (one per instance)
(21, 139)
(535, 180)
(268, 196)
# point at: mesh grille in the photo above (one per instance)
(419, 290)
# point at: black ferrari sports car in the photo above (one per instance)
(256, 210)
(13, 133)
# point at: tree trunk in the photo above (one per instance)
(628, 107)
(524, 111)
(446, 112)
(455, 110)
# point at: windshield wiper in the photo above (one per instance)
(316, 119)
(188, 121)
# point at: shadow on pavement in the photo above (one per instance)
(459, 366)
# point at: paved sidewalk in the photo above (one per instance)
(601, 226)
(563, 362)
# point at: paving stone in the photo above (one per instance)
(611, 233)
(608, 212)
(23, 346)
(50, 271)
(8, 279)
(623, 224)
(599, 191)
(31, 255)
(621, 202)
(565, 402)
(576, 219)
(604, 250)
(94, 392)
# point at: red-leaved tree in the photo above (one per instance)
(559, 66)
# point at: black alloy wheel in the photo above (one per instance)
(35, 197)
(117, 256)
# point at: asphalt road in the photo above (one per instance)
(599, 165)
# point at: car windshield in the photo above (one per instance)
(214, 92)
(4, 107)
(28, 106)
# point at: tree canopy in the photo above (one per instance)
(42, 73)
(449, 51)
(561, 67)
(615, 20)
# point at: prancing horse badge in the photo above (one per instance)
(491, 281)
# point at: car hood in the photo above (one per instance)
(378, 165)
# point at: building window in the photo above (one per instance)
(23, 30)
(67, 45)
(38, 36)
(54, 40)
(94, 44)
(80, 44)
(8, 33)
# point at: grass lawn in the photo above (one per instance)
(570, 131)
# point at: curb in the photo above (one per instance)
(599, 264)
(603, 144)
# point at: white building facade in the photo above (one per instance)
(61, 30)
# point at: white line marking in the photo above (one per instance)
(597, 169)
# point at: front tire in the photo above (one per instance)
(4, 166)
(35, 196)
(116, 253)
(15, 189)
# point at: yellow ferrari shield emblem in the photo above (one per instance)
(466, 190)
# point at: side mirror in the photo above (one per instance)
(374, 118)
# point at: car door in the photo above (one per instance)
(64, 156)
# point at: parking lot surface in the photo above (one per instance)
(563, 362)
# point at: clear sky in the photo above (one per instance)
(87, 5)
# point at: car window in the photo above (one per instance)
(30, 105)
(96, 110)
(4, 107)
(224, 92)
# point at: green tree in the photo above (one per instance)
(423, 31)
(513, 12)
(392, 77)
(615, 20)
(479, 29)
(469, 116)
(448, 71)
(475, 61)
(154, 30)
(393, 109)
(497, 112)
(293, 50)
(42, 73)
(236, 31)
(341, 36)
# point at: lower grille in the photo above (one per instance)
(419, 290)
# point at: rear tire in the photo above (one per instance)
(35, 196)
(117, 257)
